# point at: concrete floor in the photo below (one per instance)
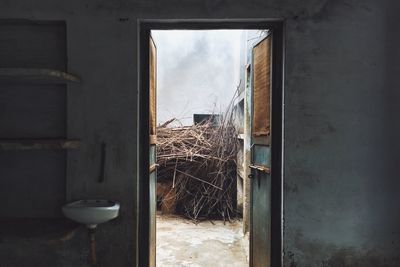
(181, 243)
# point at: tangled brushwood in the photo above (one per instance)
(199, 164)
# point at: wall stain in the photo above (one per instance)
(320, 130)
(310, 253)
(350, 257)
(323, 10)
(303, 176)
(290, 188)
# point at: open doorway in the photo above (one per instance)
(201, 182)
(212, 173)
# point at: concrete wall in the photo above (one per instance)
(33, 182)
(197, 72)
(341, 81)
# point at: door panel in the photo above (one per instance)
(152, 152)
(261, 210)
(260, 237)
(261, 88)
(261, 155)
(153, 207)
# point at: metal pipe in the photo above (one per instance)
(93, 257)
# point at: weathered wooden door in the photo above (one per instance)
(260, 230)
(152, 147)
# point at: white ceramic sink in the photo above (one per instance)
(92, 211)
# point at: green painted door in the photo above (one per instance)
(260, 229)
(152, 152)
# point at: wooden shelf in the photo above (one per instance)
(36, 75)
(32, 144)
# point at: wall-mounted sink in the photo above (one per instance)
(92, 211)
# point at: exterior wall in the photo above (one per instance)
(341, 93)
(198, 72)
(239, 124)
(241, 195)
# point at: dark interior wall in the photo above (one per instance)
(29, 44)
(32, 182)
(341, 181)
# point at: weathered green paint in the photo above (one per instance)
(261, 155)
(260, 209)
(153, 206)
(261, 219)
(152, 158)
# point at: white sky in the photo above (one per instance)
(197, 72)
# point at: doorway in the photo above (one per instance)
(264, 170)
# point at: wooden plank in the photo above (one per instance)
(32, 144)
(261, 87)
(153, 139)
(36, 75)
(152, 88)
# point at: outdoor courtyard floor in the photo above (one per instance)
(182, 243)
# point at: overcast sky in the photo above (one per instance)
(197, 72)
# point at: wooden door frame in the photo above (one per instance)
(143, 210)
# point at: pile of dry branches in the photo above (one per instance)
(200, 163)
